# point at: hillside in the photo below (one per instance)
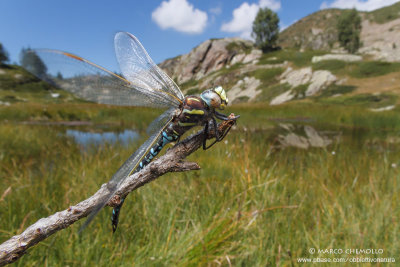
(310, 67)
(290, 74)
(379, 36)
(18, 85)
(316, 31)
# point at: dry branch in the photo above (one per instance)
(12, 249)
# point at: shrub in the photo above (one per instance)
(266, 29)
(349, 28)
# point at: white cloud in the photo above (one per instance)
(216, 10)
(244, 15)
(275, 5)
(180, 16)
(242, 21)
(364, 5)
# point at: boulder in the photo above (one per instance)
(320, 80)
(296, 77)
(255, 54)
(246, 87)
(342, 57)
(282, 98)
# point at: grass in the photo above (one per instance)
(18, 85)
(362, 69)
(331, 65)
(331, 113)
(189, 84)
(237, 47)
(385, 14)
(299, 59)
(374, 68)
(336, 90)
(266, 76)
(366, 100)
(251, 204)
(268, 93)
(300, 90)
(34, 112)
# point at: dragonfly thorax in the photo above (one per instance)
(193, 111)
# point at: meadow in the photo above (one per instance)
(255, 202)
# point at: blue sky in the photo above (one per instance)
(166, 28)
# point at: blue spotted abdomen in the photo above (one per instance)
(158, 146)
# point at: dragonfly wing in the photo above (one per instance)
(90, 81)
(137, 67)
(130, 165)
(158, 125)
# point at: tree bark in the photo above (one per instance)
(12, 249)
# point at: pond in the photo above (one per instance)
(282, 135)
(89, 137)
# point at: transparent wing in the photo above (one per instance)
(90, 81)
(130, 165)
(137, 66)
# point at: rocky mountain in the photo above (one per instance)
(310, 65)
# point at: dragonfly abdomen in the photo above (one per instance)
(165, 138)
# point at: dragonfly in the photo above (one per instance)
(142, 83)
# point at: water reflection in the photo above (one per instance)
(305, 136)
(86, 138)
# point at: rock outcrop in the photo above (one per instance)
(245, 88)
(381, 40)
(320, 80)
(296, 77)
(282, 98)
(210, 56)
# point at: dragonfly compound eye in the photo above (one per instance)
(222, 94)
(215, 98)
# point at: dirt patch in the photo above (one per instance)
(389, 83)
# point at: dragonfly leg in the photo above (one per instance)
(223, 117)
(205, 136)
(217, 138)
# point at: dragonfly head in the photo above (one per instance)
(215, 98)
